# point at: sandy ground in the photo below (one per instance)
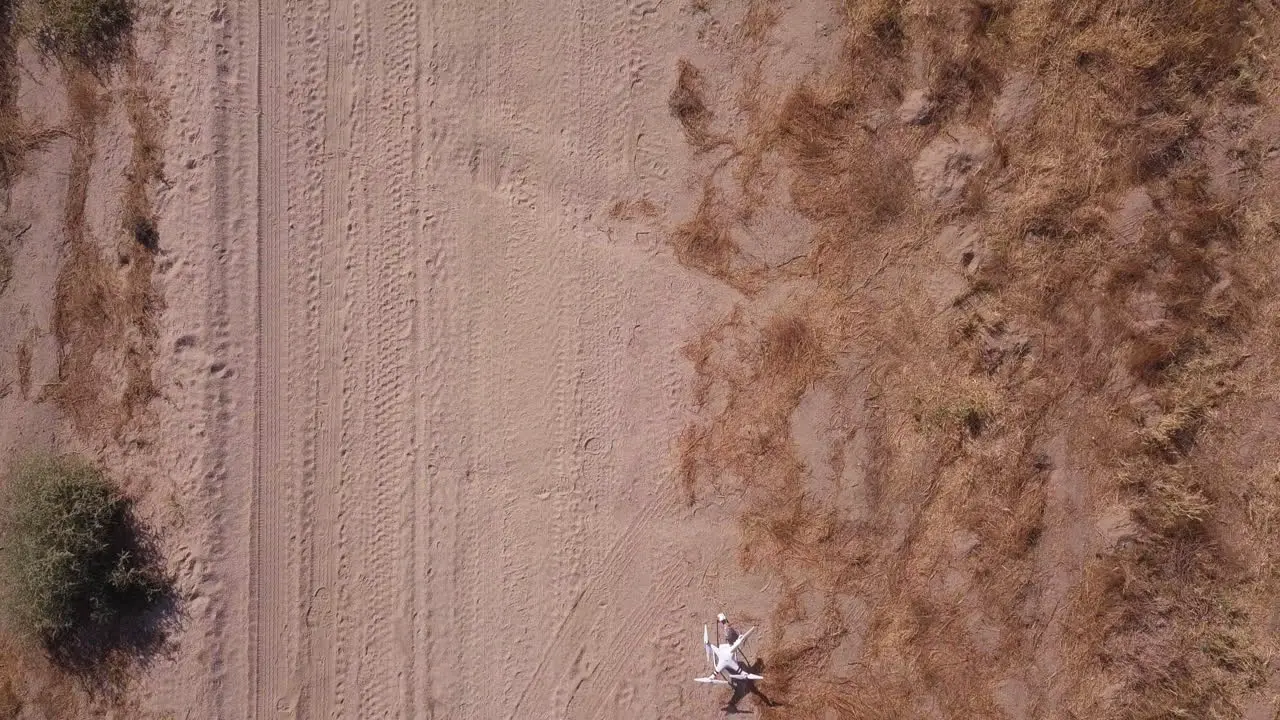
(431, 385)
(27, 345)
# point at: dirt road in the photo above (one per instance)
(437, 477)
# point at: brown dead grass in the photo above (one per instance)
(688, 105)
(633, 209)
(762, 15)
(846, 174)
(105, 308)
(146, 161)
(790, 347)
(1124, 352)
(24, 365)
(86, 315)
(703, 241)
(18, 139)
(6, 264)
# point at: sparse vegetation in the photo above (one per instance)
(689, 107)
(703, 241)
(18, 138)
(76, 569)
(90, 31)
(82, 579)
(1091, 364)
(17, 141)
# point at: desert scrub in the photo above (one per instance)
(92, 31)
(72, 564)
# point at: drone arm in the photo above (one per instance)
(741, 638)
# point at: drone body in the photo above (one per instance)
(723, 658)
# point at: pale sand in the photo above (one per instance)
(422, 388)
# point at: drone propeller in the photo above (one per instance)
(714, 678)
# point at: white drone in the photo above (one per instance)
(724, 658)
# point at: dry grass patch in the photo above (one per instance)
(104, 313)
(17, 141)
(93, 32)
(689, 107)
(17, 138)
(703, 242)
(23, 358)
(790, 347)
(846, 174)
(762, 15)
(1126, 343)
(146, 162)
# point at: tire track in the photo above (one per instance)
(327, 59)
(319, 687)
(311, 276)
(640, 623)
(570, 525)
(583, 388)
(389, 277)
(223, 504)
(483, 500)
(586, 611)
(268, 608)
(396, 32)
(429, 265)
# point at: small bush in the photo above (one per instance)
(92, 31)
(74, 567)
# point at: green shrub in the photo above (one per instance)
(93, 31)
(73, 565)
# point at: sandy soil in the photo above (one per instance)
(32, 256)
(430, 381)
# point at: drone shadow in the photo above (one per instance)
(743, 688)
